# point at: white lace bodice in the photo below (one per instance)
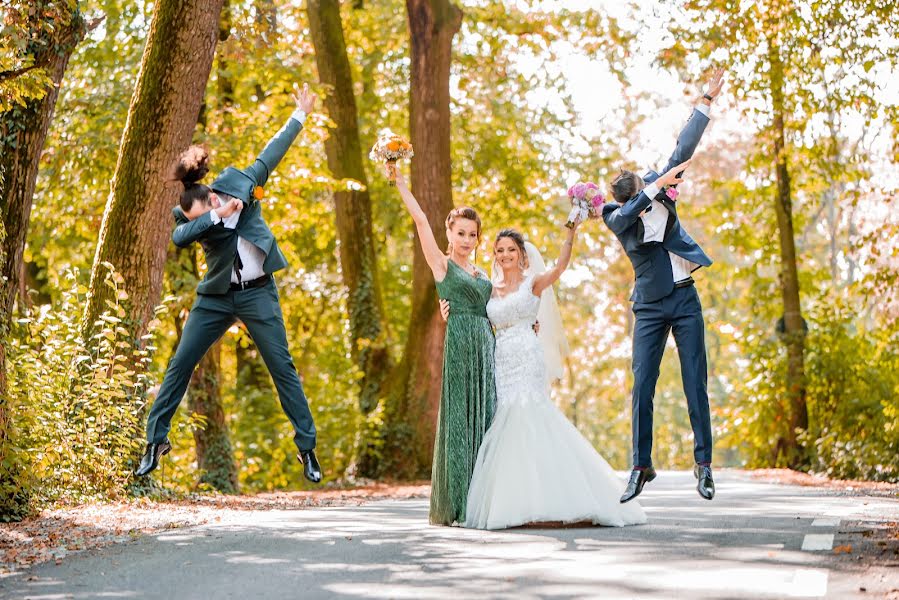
(516, 308)
(520, 369)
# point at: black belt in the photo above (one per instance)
(680, 284)
(253, 283)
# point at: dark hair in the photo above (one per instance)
(191, 166)
(625, 186)
(516, 237)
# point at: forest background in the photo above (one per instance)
(793, 194)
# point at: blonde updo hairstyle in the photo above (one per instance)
(462, 212)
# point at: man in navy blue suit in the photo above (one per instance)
(644, 219)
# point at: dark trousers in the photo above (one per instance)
(210, 317)
(681, 313)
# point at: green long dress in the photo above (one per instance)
(468, 399)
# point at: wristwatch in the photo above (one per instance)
(707, 97)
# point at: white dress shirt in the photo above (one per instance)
(655, 221)
(251, 257)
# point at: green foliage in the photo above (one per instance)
(852, 388)
(78, 416)
(30, 32)
(851, 382)
(514, 148)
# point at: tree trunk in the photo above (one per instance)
(23, 130)
(412, 416)
(353, 215)
(215, 456)
(789, 448)
(161, 119)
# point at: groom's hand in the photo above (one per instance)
(304, 99)
(713, 87)
(673, 176)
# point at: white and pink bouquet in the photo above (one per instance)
(586, 201)
(388, 149)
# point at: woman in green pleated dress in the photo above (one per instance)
(468, 398)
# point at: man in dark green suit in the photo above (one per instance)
(241, 255)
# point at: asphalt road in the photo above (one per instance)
(754, 540)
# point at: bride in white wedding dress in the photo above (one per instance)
(534, 465)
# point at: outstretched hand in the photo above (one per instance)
(715, 84)
(674, 175)
(304, 99)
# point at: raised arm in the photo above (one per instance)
(547, 278)
(187, 232)
(433, 255)
(692, 132)
(277, 147)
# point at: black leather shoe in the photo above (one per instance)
(705, 486)
(311, 469)
(635, 484)
(150, 460)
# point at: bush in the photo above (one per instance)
(78, 415)
(852, 381)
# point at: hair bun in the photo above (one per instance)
(191, 166)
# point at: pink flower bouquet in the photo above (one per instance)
(586, 201)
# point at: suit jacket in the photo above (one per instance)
(220, 243)
(652, 265)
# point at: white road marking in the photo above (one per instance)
(826, 523)
(817, 541)
(809, 583)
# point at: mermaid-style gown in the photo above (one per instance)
(534, 465)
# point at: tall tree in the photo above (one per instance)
(793, 322)
(48, 31)
(353, 215)
(161, 119)
(412, 414)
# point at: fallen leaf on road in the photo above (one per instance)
(844, 549)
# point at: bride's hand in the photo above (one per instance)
(444, 309)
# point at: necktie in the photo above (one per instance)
(238, 264)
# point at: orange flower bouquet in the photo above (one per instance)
(388, 149)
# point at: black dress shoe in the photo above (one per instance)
(705, 486)
(639, 478)
(311, 469)
(150, 460)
